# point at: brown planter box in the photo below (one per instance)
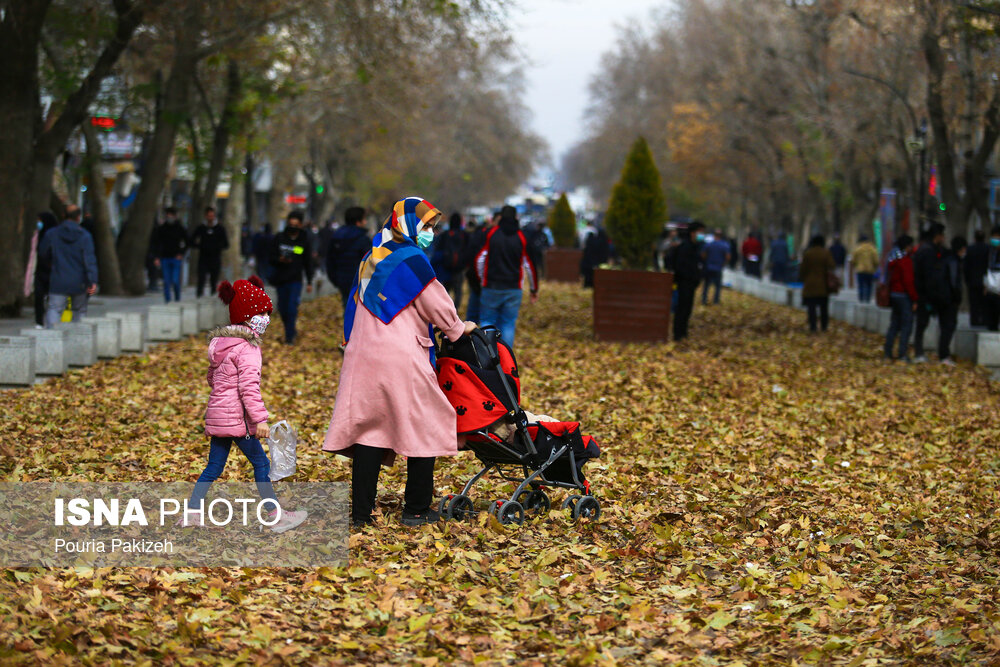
(562, 265)
(632, 306)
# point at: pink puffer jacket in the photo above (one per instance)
(235, 406)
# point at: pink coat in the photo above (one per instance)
(235, 406)
(389, 395)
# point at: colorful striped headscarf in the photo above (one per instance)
(396, 270)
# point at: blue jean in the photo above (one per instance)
(865, 281)
(900, 324)
(712, 278)
(472, 308)
(171, 267)
(218, 454)
(289, 297)
(499, 308)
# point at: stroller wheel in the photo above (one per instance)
(587, 508)
(460, 508)
(509, 512)
(570, 502)
(535, 501)
(443, 506)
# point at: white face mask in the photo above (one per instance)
(258, 324)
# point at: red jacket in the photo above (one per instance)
(901, 275)
(752, 248)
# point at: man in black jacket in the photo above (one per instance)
(348, 246)
(502, 265)
(170, 242)
(934, 293)
(688, 269)
(291, 256)
(977, 259)
(210, 239)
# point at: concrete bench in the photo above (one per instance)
(884, 320)
(189, 318)
(838, 309)
(17, 361)
(965, 343)
(109, 336)
(164, 322)
(81, 342)
(50, 350)
(134, 330)
(988, 349)
(208, 313)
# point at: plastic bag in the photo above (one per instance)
(281, 445)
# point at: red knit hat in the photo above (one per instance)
(245, 299)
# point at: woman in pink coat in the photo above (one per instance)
(388, 401)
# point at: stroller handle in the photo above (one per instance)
(480, 333)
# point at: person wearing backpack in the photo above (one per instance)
(502, 266)
(453, 248)
(348, 246)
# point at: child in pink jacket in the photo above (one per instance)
(236, 411)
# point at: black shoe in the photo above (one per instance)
(430, 516)
(361, 523)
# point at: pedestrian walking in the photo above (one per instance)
(292, 258)
(503, 265)
(688, 267)
(596, 251)
(839, 254)
(477, 238)
(715, 254)
(977, 259)
(389, 361)
(452, 246)
(349, 244)
(864, 259)
(236, 413)
(210, 239)
(261, 248)
(752, 251)
(902, 297)
(991, 300)
(39, 270)
(69, 249)
(170, 243)
(934, 290)
(779, 259)
(814, 272)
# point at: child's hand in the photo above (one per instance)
(263, 431)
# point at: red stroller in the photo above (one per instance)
(478, 373)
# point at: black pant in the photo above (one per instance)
(923, 319)
(992, 312)
(818, 308)
(685, 304)
(208, 268)
(365, 469)
(947, 322)
(977, 304)
(41, 291)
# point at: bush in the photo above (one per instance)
(637, 209)
(562, 222)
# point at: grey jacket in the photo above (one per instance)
(74, 262)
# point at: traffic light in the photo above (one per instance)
(942, 207)
(319, 189)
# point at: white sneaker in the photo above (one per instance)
(288, 520)
(190, 519)
(920, 359)
(947, 362)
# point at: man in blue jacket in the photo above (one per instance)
(70, 250)
(348, 246)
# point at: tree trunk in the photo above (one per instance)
(109, 274)
(20, 31)
(232, 262)
(134, 241)
(250, 195)
(220, 139)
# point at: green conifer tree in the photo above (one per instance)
(637, 209)
(562, 222)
